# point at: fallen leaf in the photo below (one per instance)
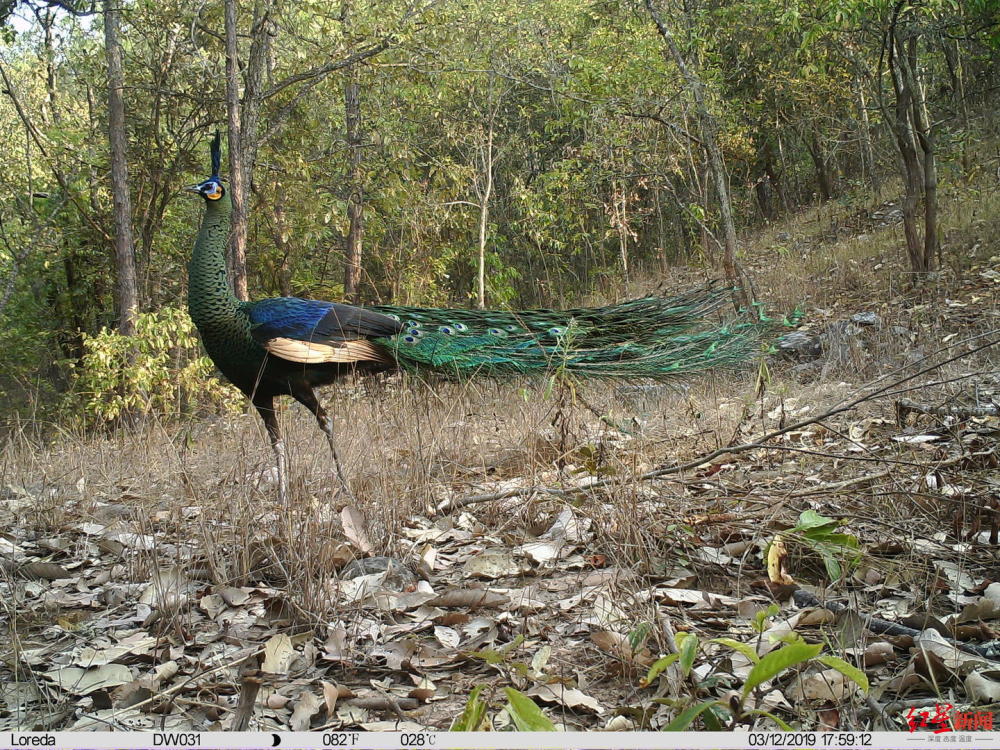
(355, 528)
(233, 596)
(878, 653)
(470, 598)
(983, 687)
(43, 571)
(493, 564)
(307, 705)
(278, 654)
(776, 556)
(619, 646)
(138, 644)
(447, 637)
(81, 681)
(542, 552)
(828, 685)
(569, 697)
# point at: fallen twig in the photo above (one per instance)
(804, 598)
(904, 406)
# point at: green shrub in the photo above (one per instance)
(159, 371)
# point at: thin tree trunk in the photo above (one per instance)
(864, 123)
(261, 31)
(925, 137)
(126, 294)
(355, 201)
(237, 257)
(281, 243)
(818, 154)
(956, 70)
(903, 132)
(709, 134)
(484, 213)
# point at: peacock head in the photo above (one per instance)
(211, 189)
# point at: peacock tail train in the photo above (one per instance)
(649, 338)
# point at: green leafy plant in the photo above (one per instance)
(793, 653)
(160, 370)
(820, 535)
(524, 712)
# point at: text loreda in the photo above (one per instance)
(32, 740)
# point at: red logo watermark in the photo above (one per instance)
(945, 719)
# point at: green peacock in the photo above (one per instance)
(290, 346)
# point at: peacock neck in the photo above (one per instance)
(210, 298)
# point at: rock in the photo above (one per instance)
(866, 319)
(800, 344)
(399, 574)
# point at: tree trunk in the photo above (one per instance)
(709, 133)
(925, 137)
(903, 132)
(281, 243)
(243, 119)
(956, 71)
(484, 213)
(126, 294)
(355, 201)
(767, 186)
(818, 154)
(868, 166)
(237, 256)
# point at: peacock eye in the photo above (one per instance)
(446, 329)
(556, 331)
(461, 327)
(512, 328)
(412, 324)
(496, 332)
(410, 339)
(415, 332)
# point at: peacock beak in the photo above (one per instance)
(192, 188)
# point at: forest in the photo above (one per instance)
(536, 553)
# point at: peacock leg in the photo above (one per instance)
(305, 396)
(265, 407)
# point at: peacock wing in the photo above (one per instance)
(312, 332)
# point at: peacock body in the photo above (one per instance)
(289, 346)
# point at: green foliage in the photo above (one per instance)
(474, 715)
(775, 662)
(795, 652)
(849, 671)
(160, 371)
(820, 534)
(526, 714)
